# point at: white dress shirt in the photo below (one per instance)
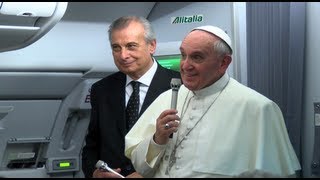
(145, 82)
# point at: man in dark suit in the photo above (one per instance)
(133, 43)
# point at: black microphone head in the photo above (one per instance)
(175, 83)
(100, 164)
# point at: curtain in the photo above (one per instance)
(276, 48)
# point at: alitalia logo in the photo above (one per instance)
(186, 19)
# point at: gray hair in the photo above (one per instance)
(124, 21)
(221, 48)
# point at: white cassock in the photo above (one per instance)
(226, 129)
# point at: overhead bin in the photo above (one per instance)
(34, 9)
(23, 23)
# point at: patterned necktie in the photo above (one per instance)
(132, 110)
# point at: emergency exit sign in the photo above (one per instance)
(187, 19)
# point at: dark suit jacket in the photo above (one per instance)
(107, 129)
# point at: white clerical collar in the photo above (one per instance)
(213, 88)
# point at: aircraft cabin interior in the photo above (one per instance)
(52, 52)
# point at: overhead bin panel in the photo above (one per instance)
(23, 23)
(37, 85)
(28, 9)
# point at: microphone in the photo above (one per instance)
(175, 85)
(104, 166)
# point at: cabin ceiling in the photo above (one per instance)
(105, 11)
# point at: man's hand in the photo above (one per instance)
(134, 175)
(105, 174)
(167, 123)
